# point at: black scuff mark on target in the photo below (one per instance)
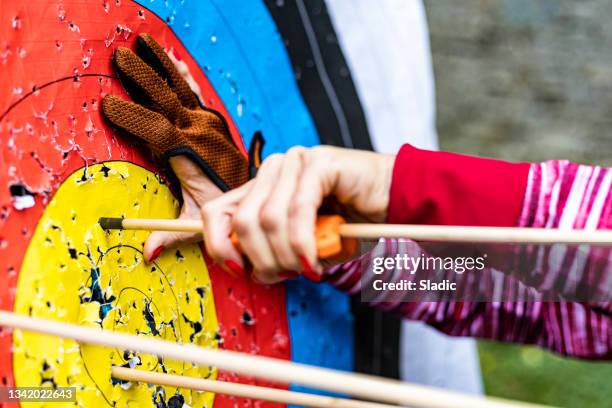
(46, 375)
(176, 401)
(105, 169)
(23, 198)
(150, 319)
(247, 319)
(159, 398)
(196, 326)
(219, 338)
(85, 177)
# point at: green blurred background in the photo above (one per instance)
(532, 374)
(527, 80)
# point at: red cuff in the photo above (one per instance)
(441, 188)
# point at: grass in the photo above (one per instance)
(534, 375)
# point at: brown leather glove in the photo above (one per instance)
(171, 119)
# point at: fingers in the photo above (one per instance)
(274, 216)
(275, 210)
(154, 55)
(217, 219)
(315, 183)
(137, 120)
(197, 189)
(144, 84)
(246, 220)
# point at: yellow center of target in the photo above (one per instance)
(74, 271)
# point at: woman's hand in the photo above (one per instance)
(196, 190)
(274, 214)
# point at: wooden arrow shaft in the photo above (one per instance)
(281, 371)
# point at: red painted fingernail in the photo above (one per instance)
(176, 54)
(156, 253)
(308, 272)
(288, 274)
(234, 267)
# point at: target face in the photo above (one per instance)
(61, 168)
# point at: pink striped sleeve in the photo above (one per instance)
(565, 195)
(559, 194)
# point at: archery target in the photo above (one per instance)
(59, 160)
(55, 59)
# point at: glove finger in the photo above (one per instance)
(139, 121)
(154, 55)
(145, 86)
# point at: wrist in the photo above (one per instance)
(380, 189)
(362, 181)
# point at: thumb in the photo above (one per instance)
(159, 241)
